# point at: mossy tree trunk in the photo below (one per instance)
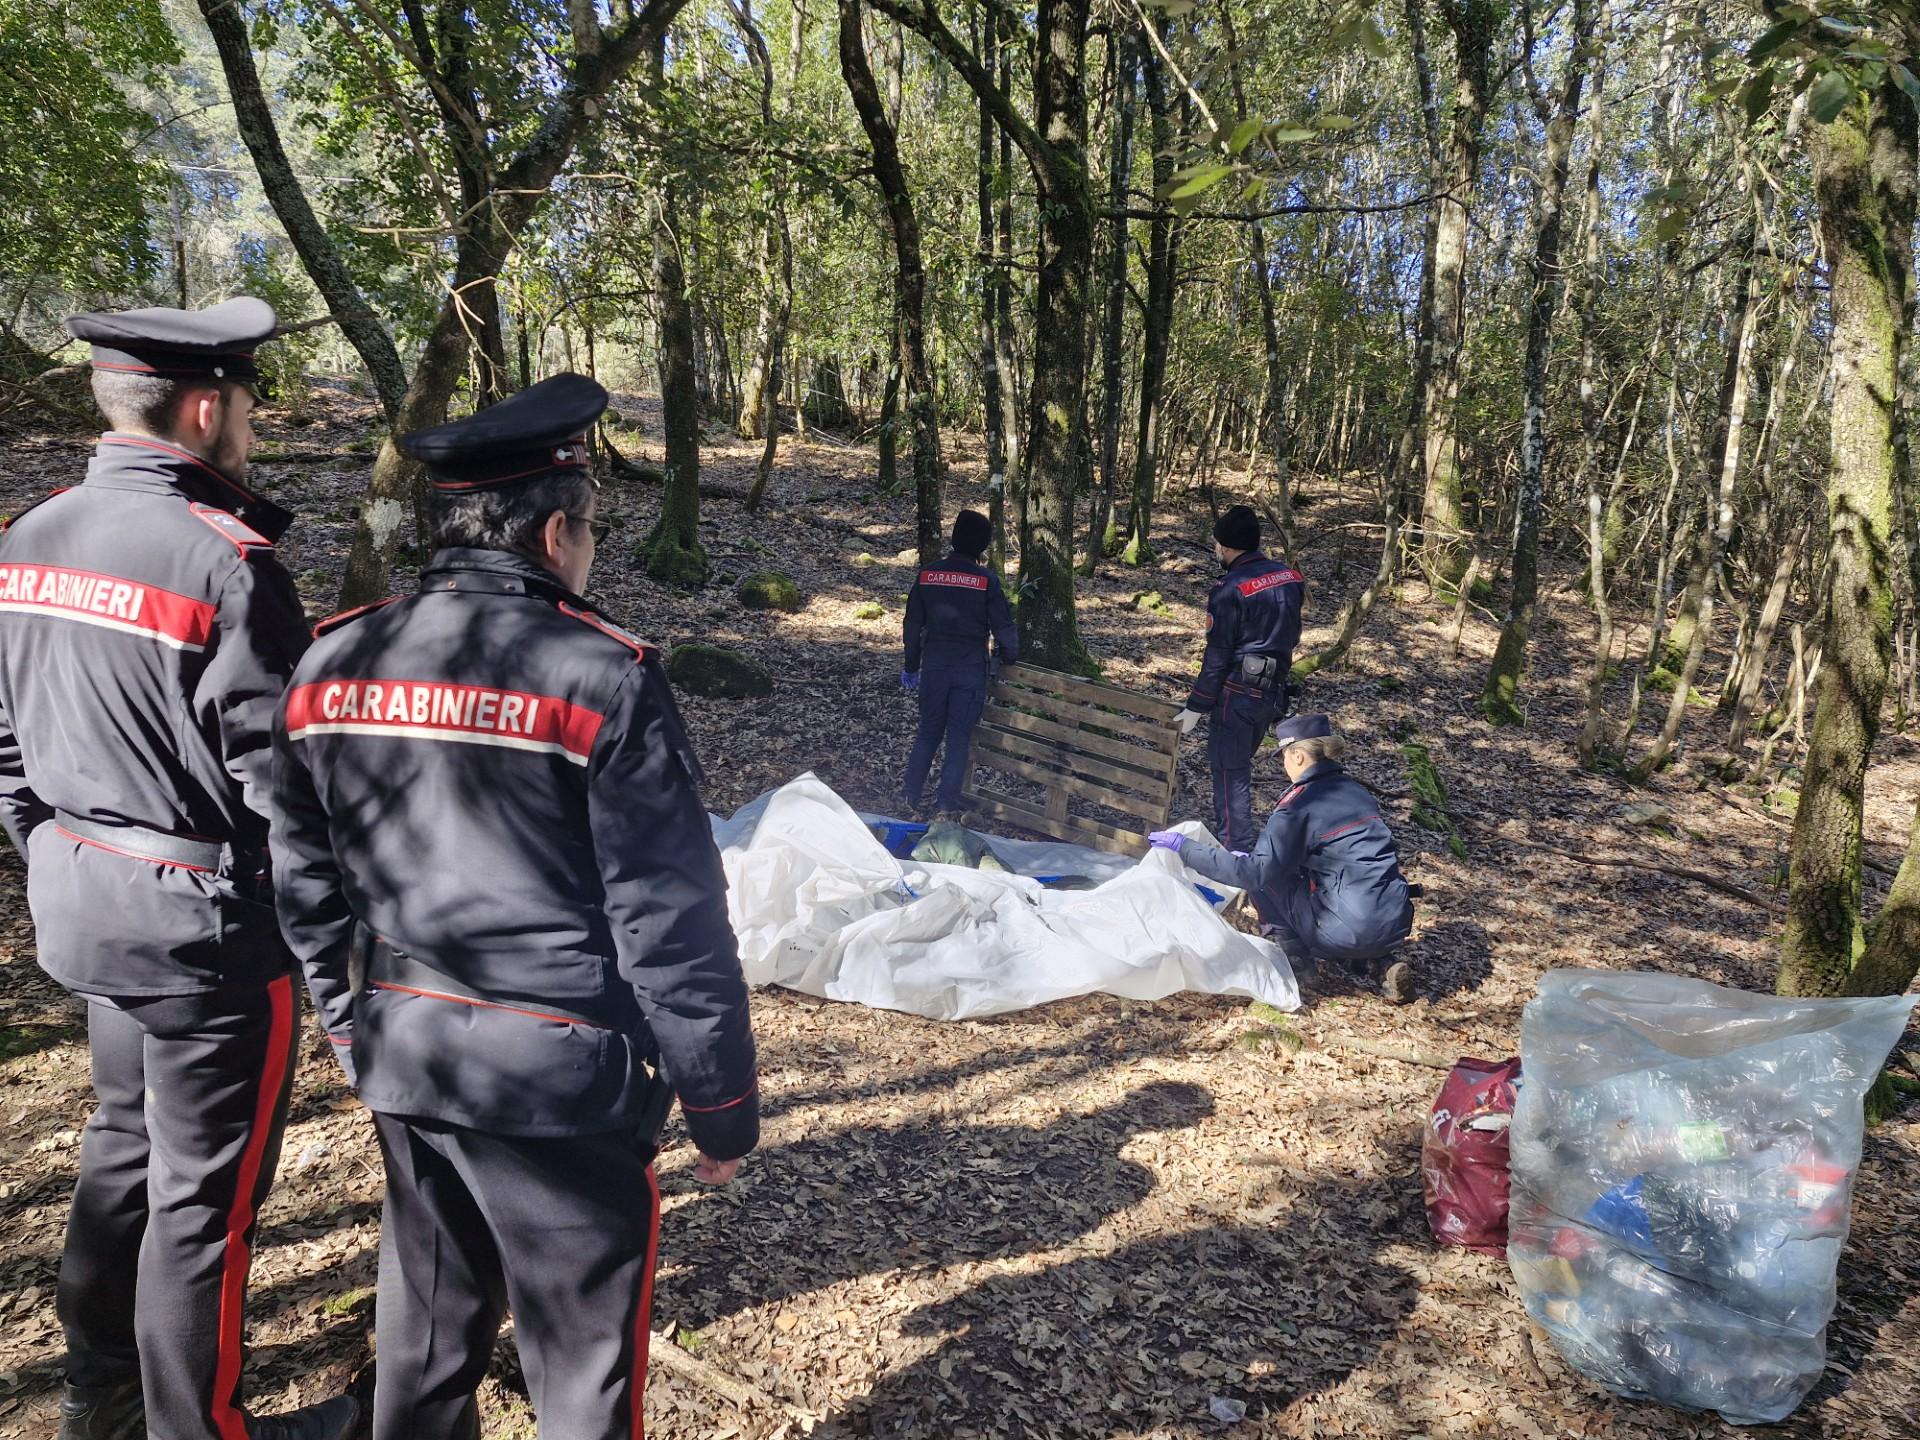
(910, 282)
(1157, 325)
(1113, 375)
(1475, 25)
(1695, 622)
(1054, 143)
(1863, 180)
(1499, 699)
(673, 553)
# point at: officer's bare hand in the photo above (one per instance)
(709, 1171)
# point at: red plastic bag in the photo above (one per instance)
(1463, 1160)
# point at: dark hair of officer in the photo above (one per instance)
(500, 476)
(147, 404)
(511, 517)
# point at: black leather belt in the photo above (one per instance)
(141, 843)
(395, 969)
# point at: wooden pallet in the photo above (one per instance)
(1085, 744)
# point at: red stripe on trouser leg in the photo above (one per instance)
(643, 1314)
(227, 1419)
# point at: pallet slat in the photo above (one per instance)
(1081, 714)
(1152, 783)
(1128, 702)
(1090, 832)
(1155, 758)
(1059, 784)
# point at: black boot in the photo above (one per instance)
(103, 1412)
(333, 1419)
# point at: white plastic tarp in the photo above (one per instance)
(819, 906)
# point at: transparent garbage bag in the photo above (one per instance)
(1682, 1161)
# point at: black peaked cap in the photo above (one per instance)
(1302, 727)
(540, 430)
(212, 344)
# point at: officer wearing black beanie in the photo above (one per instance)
(1253, 623)
(951, 610)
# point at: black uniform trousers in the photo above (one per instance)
(1234, 732)
(174, 1163)
(564, 1230)
(951, 703)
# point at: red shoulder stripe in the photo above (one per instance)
(639, 647)
(243, 535)
(334, 622)
(7, 524)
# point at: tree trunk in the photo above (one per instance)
(910, 282)
(887, 475)
(1500, 697)
(1158, 327)
(1754, 673)
(1892, 956)
(1864, 182)
(991, 378)
(1049, 629)
(1113, 327)
(1696, 611)
(315, 247)
(1005, 336)
(1475, 24)
(672, 553)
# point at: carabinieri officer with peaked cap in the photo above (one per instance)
(1253, 623)
(146, 634)
(490, 781)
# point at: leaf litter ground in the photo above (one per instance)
(1096, 1218)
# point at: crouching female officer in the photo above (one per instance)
(1325, 876)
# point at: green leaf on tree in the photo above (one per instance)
(1757, 95)
(1904, 78)
(1334, 122)
(1372, 38)
(1831, 94)
(1672, 225)
(1200, 182)
(1243, 135)
(1771, 41)
(1288, 134)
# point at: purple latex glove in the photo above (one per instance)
(1167, 840)
(909, 680)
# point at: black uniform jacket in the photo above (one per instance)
(493, 780)
(146, 635)
(1254, 609)
(1326, 837)
(951, 610)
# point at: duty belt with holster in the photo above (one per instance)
(246, 867)
(1260, 672)
(376, 962)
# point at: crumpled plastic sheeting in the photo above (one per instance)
(819, 906)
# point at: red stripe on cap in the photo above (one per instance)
(228, 1422)
(437, 710)
(110, 601)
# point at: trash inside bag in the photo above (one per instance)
(946, 843)
(1463, 1160)
(1682, 1169)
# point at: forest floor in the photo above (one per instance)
(1094, 1218)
